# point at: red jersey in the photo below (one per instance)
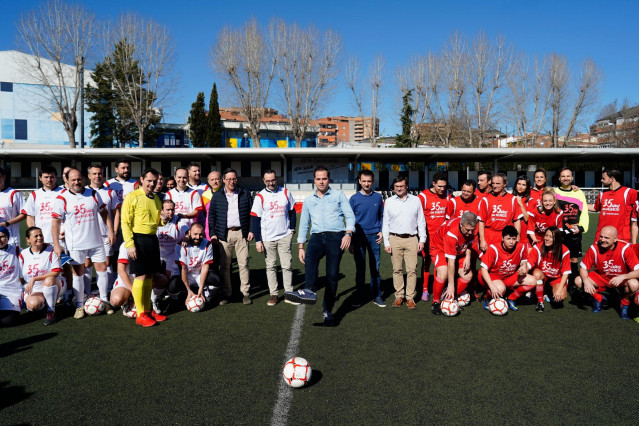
(616, 209)
(614, 261)
(499, 211)
(457, 206)
(502, 263)
(534, 200)
(449, 240)
(434, 210)
(480, 194)
(539, 222)
(551, 267)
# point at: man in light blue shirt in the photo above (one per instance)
(331, 221)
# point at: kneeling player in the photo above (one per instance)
(10, 280)
(121, 293)
(609, 264)
(196, 279)
(550, 265)
(41, 272)
(451, 252)
(504, 267)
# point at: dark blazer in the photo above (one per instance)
(218, 213)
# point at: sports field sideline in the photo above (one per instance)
(378, 366)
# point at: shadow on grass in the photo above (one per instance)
(23, 344)
(10, 395)
(315, 378)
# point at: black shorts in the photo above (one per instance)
(573, 243)
(147, 249)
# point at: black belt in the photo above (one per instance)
(235, 228)
(403, 235)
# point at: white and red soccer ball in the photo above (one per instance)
(195, 304)
(297, 372)
(463, 299)
(498, 306)
(94, 306)
(449, 307)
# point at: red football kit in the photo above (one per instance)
(449, 243)
(615, 261)
(539, 222)
(616, 209)
(501, 264)
(457, 206)
(534, 200)
(552, 268)
(497, 212)
(434, 210)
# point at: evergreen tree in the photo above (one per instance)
(214, 121)
(404, 140)
(197, 122)
(100, 100)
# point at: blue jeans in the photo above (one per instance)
(362, 244)
(320, 245)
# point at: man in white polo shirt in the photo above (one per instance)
(404, 230)
(78, 207)
(273, 221)
(10, 209)
(188, 203)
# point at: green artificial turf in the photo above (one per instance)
(378, 366)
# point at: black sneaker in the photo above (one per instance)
(328, 319)
(540, 307)
(436, 308)
(50, 318)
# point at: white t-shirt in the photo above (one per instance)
(39, 204)
(169, 236)
(111, 203)
(10, 272)
(80, 213)
(193, 257)
(273, 209)
(121, 187)
(11, 202)
(36, 264)
(186, 201)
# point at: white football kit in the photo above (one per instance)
(37, 264)
(111, 203)
(273, 207)
(186, 201)
(121, 187)
(123, 257)
(11, 202)
(10, 274)
(39, 205)
(194, 257)
(169, 235)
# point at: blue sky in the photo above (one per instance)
(605, 31)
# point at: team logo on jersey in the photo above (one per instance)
(608, 206)
(507, 267)
(549, 269)
(611, 269)
(498, 213)
(437, 210)
(6, 270)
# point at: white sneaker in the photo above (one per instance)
(79, 313)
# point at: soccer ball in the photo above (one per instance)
(463, 299)
(195, 304)
(498, 307)
(94, 306)
(297, 372)
(129, 310)
(449, 307)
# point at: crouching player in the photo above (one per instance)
(41, 272)
(609, 264)
(123, 285)
(170, 233)
(10, 280)
(549, 262)
(196, 278)
(451, 253)
(505, 266)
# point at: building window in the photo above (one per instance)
(6, 87)
(21, 130)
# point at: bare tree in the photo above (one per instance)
(557, 77)
(59, 36)
(587, 93)
(142, 57)
(246, 60)
(374, 83)
(307, 65)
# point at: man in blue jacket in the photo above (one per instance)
(332, 228)
(229, 226)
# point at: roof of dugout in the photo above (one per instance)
(353, 154)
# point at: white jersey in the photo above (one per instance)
(111, 203)
(186, 202)
(199, 188)
(39, 204)
(10, 272)
(194, 257)
(11, 202)
(121, 187)
(37, 264)
(169, 236)
(80, 213)
(273, 207)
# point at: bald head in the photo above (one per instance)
(607, 237)
(214, 180)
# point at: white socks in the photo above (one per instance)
(50, 295)
(78, 291)
(88, 274)
(103, 285)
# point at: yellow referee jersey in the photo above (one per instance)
(140, 215)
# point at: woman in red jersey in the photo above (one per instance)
(543, 217)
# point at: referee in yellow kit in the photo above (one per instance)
(140, 217)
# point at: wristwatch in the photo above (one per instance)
(350, 234)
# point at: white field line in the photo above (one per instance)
(285, 394)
